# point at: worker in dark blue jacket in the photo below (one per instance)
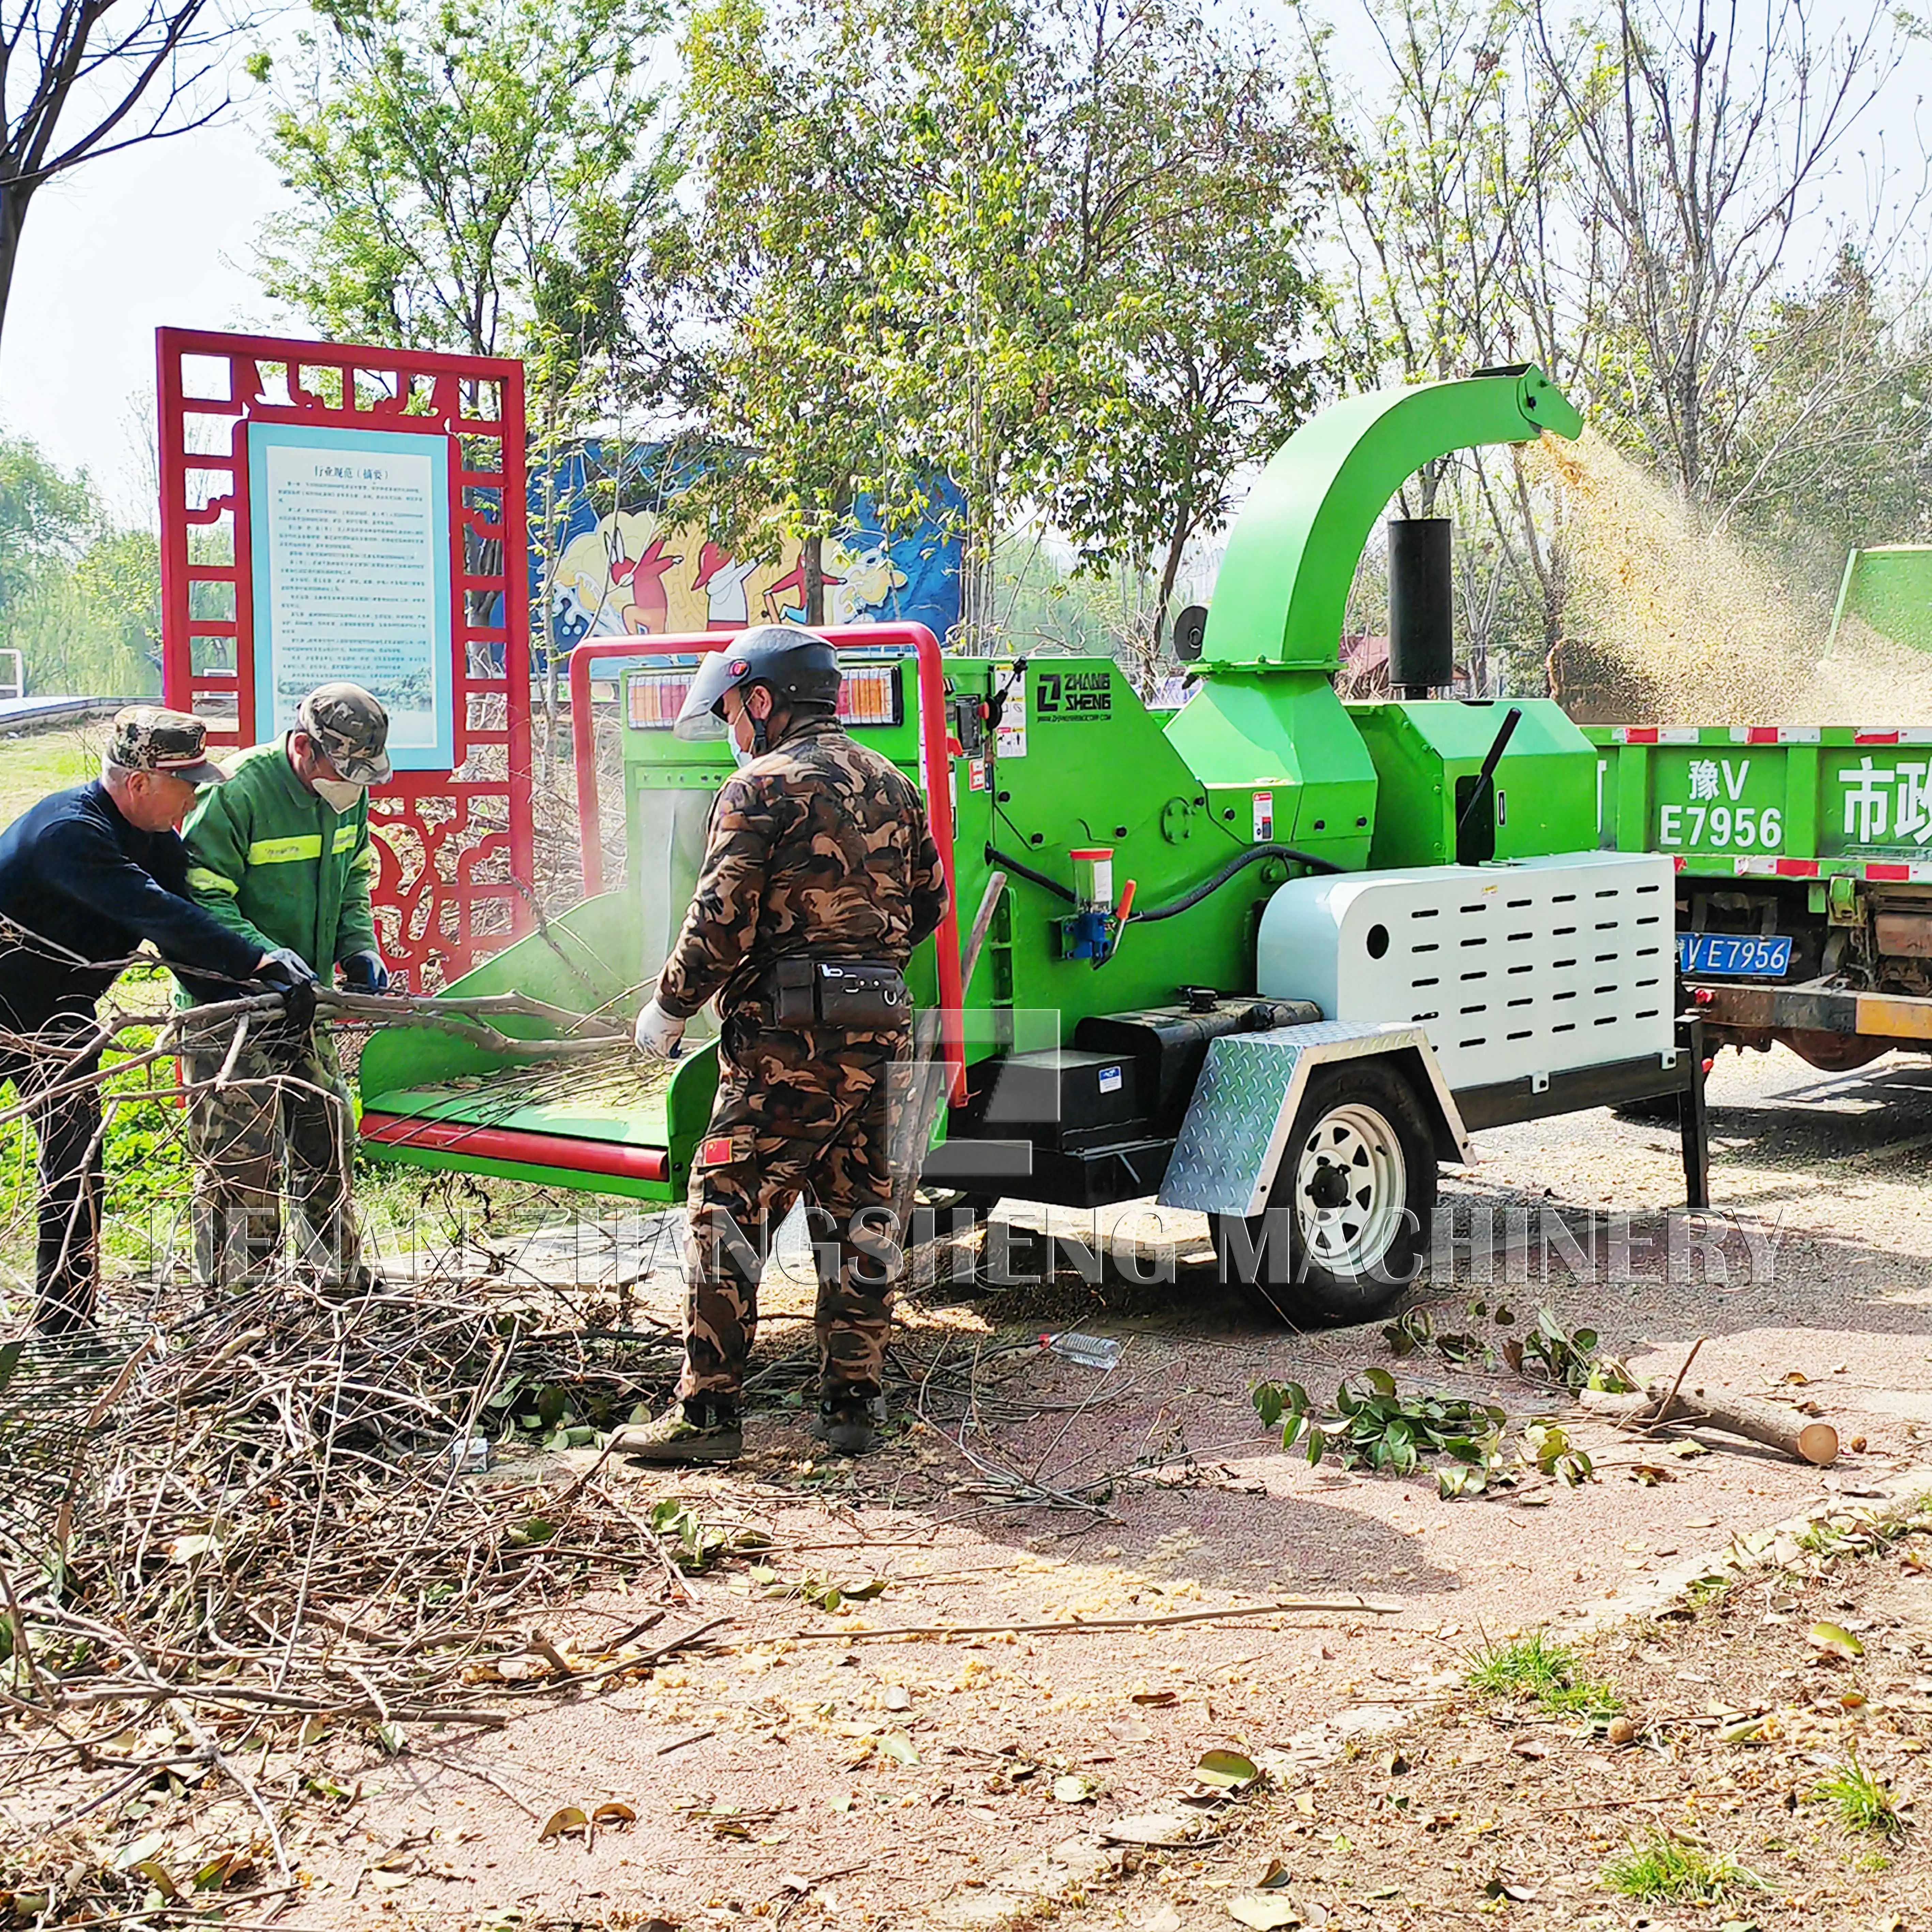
(86, 876)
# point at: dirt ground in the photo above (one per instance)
(804, 1763)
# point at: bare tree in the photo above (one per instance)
(80, 80)
(1457, 249)
(1708, 139)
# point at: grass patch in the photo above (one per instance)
(1533, 1670)
(1671, 1869)
(1863, 1803)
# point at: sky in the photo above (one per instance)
(165, 234)
(162, 233)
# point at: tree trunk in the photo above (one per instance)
(1170, 570)
(812, 561)
(13, 200)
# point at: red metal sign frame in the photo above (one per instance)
(457, 849)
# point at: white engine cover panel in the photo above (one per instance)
(1527, 967)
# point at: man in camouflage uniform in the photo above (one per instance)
(818, 851)
(281, 854)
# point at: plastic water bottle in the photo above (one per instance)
(1090, 1351)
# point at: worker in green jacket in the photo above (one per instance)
(281, 854)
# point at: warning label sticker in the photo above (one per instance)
(1263, 816)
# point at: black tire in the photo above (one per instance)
(1331, 1249)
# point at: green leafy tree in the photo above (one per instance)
(80, 600)
(481, 176)
(45, 516)
(1191, 172)
(1837, 454)
(773, 294)
(469, 174)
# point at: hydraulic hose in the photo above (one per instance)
(1251, 856)
(995, 857)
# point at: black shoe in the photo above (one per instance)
(844, 1424)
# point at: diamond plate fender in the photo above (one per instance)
(1245, 1101)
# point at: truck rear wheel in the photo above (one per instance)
(1346, 1229)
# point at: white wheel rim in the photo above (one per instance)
(1352, 1152)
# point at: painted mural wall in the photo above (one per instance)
(641, 570)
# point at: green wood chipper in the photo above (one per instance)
(1271, 957)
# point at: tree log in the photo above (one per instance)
(1801, 1437)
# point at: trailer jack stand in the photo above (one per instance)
(1692, 1119)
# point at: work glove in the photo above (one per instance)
(364, 972)
(294, 978)
(658, 1033)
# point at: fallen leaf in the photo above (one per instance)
(613, 1811)
(1529, 1747)
(156, 1873)
(1266, 1911)
(894, 1746)
(1073, 1790)
(1834, 1640)
(570, 1818)
(898, 1698)
(1151, 1827)
(1227, 1769)
(1161, 1698)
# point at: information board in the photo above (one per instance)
(350, 534)
(341, 510)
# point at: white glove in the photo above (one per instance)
(657, 1033)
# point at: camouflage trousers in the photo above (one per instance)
(800, 1113)
(282, 1124)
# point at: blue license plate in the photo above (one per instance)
(1732, 954)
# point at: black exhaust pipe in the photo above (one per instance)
(1422, 637)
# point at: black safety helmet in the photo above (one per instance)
(797, 666)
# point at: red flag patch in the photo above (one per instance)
(716, 1152)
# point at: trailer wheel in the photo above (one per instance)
(1347, 1225)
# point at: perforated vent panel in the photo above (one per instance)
(1537, 966)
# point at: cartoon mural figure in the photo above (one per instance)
(611, 578)
(722, 579)
(640, 570)
(785, 598)
(867, 582)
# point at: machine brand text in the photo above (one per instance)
(1074, 694)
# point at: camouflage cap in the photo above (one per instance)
(145, 738)
(352, 727)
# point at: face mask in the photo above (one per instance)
(740, 757)
(338, 794)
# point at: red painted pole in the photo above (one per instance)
(933, 756)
